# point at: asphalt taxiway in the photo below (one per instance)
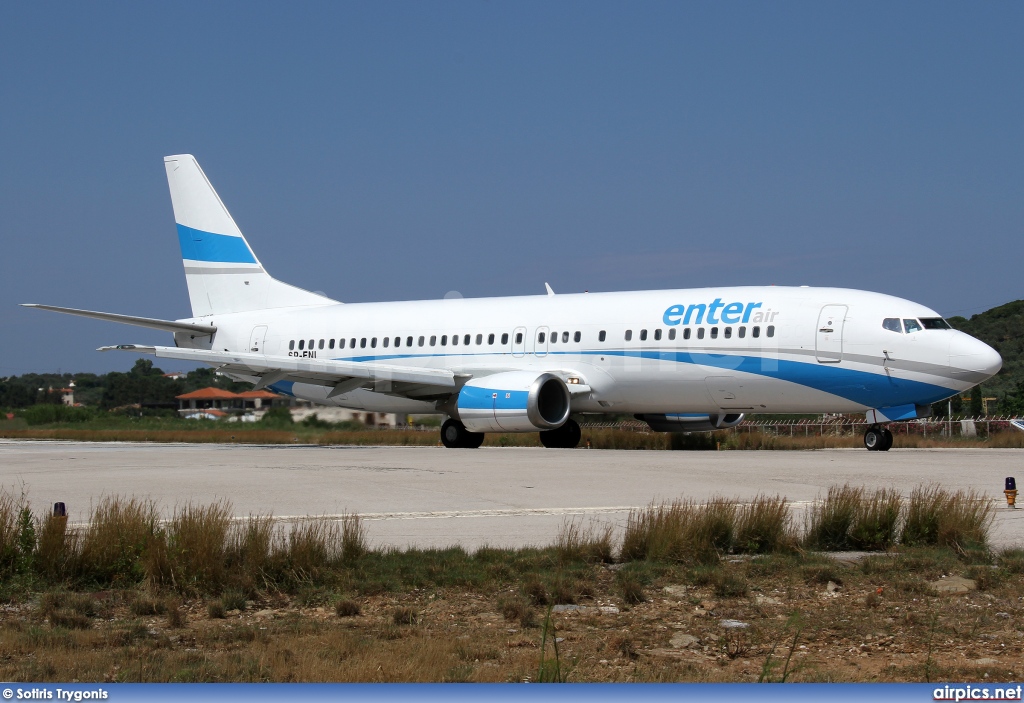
(430, 496)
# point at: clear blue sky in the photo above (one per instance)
(389, 151)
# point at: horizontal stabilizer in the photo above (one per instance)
(166, 325)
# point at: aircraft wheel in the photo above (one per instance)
(454, 435)
(565, 437)
(873, 439)
(887, 436)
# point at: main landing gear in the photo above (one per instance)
(454, 435)
(878, 439)
(565, 437)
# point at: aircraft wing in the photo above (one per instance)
(339, 376)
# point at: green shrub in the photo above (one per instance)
(56, 413)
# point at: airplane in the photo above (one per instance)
(687, 360)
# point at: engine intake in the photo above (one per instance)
(514, 401)
(691, 422)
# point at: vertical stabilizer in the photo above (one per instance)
(223, 273)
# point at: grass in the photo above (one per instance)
(935, 516)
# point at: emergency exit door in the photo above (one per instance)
(257, 339)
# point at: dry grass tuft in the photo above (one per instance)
(681, 531)
(346, 608)
(575, 543)
(117, 537)
(830, 519)
(935, 516)
(313, 544)
(877, 519)
(765, 526)
(404, 616)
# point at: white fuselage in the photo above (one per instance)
(751, 349)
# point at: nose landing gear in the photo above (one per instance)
(878, 439)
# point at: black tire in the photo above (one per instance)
(887, 436)
(873, 439)
(473, 440)
(565, 437)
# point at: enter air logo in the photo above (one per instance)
(717, 312)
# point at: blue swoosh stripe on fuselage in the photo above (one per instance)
(475, 398)
(197, 245)
(872, 390)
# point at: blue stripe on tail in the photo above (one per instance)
(197, 245)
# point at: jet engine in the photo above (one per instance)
(691, 422)
(513, 401)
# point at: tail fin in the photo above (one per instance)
(222, 272)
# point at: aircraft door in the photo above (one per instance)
(540, 341)
(829, 335)
(257, 339)
(519, 341)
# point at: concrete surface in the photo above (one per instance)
(430, 496)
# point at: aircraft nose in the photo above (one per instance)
(970, 354)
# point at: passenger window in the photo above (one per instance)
(433, 339)
(629, 335)
(444, 340)
(465, 340)
(352, 343)
(700, 333)
(742, 332)
(686, 333)
(291, 345)
(892, 324)
(657, 334)
(714, 333)
(672, 333)
(504, 337)
(341, 343)
(330, 343)
(362, 343)
(576, 337)
(540, 337)
(643, 335)
(554, 337)
(311, 342)
(386, 341)
(490, 338)
(755, 332)
(373, 343)
(728, 332)
(408, 341)
(321, 344)
(302, 344)
(419, 342)
(398, 341)
(911, 325)
(479, 339)
(601, 336)
(519, 337)
(770, 331)
(565, 337)
(455, 340)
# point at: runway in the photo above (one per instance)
(427, 496)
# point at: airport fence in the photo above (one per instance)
(846, 425)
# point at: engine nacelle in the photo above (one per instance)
(513, 401)
(691, 422)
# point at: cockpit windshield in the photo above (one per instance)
(894, 324)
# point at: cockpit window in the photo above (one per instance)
(935, 323)
(912, 325)
(892, 324)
